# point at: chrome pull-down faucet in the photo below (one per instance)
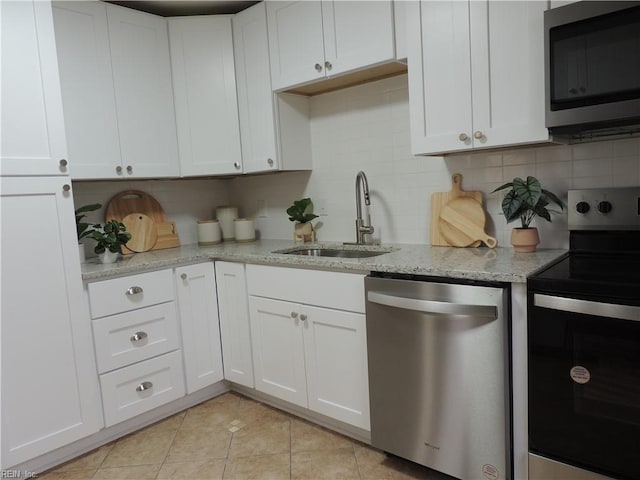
(362, 228)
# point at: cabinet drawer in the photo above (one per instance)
(128, 293)
(138, 388)
(343, 291)
(135, 336)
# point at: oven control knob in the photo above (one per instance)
(582, 207)
(604, 207)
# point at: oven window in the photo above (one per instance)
(596, 61)
(584, 390)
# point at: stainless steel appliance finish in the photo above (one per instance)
(592, 64)
(439, 374)
(584, 345)
(363, 227)
(335, 252)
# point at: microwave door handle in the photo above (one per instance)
(433, 306)
(597, 309)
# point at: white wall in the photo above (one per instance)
(367, 128)
(183, 201)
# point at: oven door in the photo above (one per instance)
(584, 383)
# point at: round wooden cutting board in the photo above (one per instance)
(143, 232)
(462, 223)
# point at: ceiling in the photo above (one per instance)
(172, 8)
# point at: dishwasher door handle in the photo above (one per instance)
(433, 306)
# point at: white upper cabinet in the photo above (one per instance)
(468, 86)
(84, 56)
(116, 85)
(274, 128)
(144, 96)
(311, 40)
(205, 95)
(33, 138)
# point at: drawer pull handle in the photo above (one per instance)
(144, 386)
(138, 336)
(294, 315)
(134, 290)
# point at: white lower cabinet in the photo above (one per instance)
(234, 323)
(308, 352)
(198, 305)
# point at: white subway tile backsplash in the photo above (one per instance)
(588, 150)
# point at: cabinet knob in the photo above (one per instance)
(63, 163)
(133, 290)
(129, 169)
(328, 65)
(318, 67)
(478, 135)
(463, 137)
(303, 317)
(144, 386)
(236, 165)
(66, 187)
(294, 315)
(270, 161)
(138, 337)
(183, 276)
(118, 169)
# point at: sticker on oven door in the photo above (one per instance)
(490, 472)
(580, 374)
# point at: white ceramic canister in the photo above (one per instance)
(209, 232)
(226, 215)
(245, 230)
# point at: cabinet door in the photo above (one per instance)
(335, 345)
(278, 351)
(255, 97)
(50, 393)
(205, 95)
(144, 96)
(233, 308)
(507, 76)
(198, 306)
(296, 43)
(357, 34)
(33, 139)
(84, 60)
(439, 76)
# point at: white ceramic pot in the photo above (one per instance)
(108, 257)
(226, 216)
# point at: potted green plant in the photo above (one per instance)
(109, 240)
(84, 229)
(526, 199)
(303, 229)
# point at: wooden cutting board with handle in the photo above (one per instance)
(462, 222)
(143, 233)
(439, 200)
(138, 202)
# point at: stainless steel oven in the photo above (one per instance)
(584, 346)
(592, 55)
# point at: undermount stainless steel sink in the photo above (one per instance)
(335, 252)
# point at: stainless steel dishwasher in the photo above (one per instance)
(439, 373)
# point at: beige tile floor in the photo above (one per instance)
(233, 437)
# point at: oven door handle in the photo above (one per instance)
(598, 309)
(433, 306)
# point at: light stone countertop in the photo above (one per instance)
(501, 264)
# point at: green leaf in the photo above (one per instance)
(528, 191)
(511, 206)
(553, 198)
(502, 187)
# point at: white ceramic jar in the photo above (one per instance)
(245, 230)
(209, 232)
(226, 216)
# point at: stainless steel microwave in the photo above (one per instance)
(592, 59)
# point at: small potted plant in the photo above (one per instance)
(84, 229)
(526, 200)
(110, 238)
(303, 229)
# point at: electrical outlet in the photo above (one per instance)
(321, 207)
(261, 209)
